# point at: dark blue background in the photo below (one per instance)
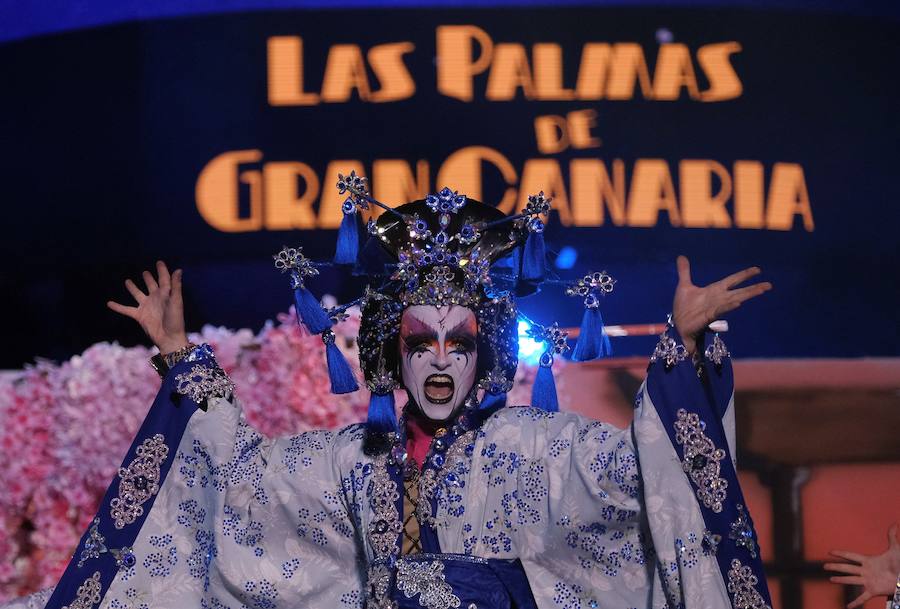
(104, 132)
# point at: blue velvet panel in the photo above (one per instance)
(169, 417)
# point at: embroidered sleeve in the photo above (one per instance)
(203, 379)
(693, 404)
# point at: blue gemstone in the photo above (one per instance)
(437, 460)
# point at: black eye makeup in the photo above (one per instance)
(462, 343)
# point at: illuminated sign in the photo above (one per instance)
(589, 191)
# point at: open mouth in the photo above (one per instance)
(439, 388)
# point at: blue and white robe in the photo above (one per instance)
(526, 509)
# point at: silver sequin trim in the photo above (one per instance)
(431, 478)
(427, 580)
(379, 581)
(468, 558)
(716, 352)
(742, 587)
(203, 382)
(88, 593)
(139, 481)
(701, 460)
(385, 525)
(668, 350)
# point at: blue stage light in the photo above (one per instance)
(566, 258)
(529, 349)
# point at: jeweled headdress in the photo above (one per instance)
(444, 250)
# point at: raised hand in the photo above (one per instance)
(160, 311)
(876, 574)
(696, 307)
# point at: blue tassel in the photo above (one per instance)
(543, 393)
(492, 400)
(592, 342)
(310, 311)
(339, 372)
(382, 418)
(534, 267)
(347, 250)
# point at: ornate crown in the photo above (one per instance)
(445, 249)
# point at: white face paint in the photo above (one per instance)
(438, 356)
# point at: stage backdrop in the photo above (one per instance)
(734, 136)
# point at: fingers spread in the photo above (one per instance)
(850, 580)
(684, 270)
(150, 281)
(176, 287)
(848, 555)
(163, 272)
(751, 291)
(860, 600)
(843, 567)
(122, 309)
(135, 291)
(741, 276)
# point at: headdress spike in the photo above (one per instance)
(310, 312)
(534, 265)
(592, 340)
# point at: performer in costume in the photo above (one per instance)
(463, 502)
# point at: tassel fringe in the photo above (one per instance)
(381, 417)
(543, 393)
(534, 265)
(339, 372)
(347, 250)
(592, 341)
(310, 311)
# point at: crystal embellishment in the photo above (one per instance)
(668, 350)
(701, 460)
(742, 587)
(428, 581)
(203, 382)
(742, 532)
(716, 352)
(95, 544)
(88, 593)
(385, 525)
(591, 287)
(291, 260)
(139, 481)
